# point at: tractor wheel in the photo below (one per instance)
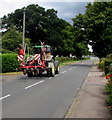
(30, 74)
(57, 70)
(52, 71)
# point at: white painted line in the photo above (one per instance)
(5, 97)
(34, 84)
(70, 69)
(50, 78)
(63, 72)
(56, 75)
(74, 67)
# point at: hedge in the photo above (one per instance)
(9, 63)
(63, 59)
(106, 65)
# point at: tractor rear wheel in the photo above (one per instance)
(30, 74)
(57, 70)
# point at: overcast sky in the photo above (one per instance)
(67, 9)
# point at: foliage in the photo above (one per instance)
(106, 65)
(41, 25)
(108, 88)
(95, 27)
(63, 59)
(102, 64)
(80, 43)
(109, 101)
(9, 62)
(44, 25)
(11, 39)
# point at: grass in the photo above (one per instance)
(71, 62)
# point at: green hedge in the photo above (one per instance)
(63, 59)
(108, 65)
(9, 63)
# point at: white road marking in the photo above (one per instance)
(5, 97)
(34, 84)
(56, 75)
(50, 78)
(74, 67)
(70, 69)
(63, 72)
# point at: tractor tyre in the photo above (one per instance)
(51, 71)
(57, 70)
(30, 74)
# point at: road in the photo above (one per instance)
(43, 97)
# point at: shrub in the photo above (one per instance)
(63, 59)
(109, 101)
(102, 64)
(108, 88)
(108, 65)
(9, 63)
(109, 56)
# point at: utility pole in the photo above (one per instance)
(23, 28)
(23, 42)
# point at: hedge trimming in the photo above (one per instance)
(9, 63)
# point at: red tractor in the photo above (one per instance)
(41, 60)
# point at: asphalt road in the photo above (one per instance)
(43, 97)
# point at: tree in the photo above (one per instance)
(99, 16)
(80, 43)
(97, 27)
(67, 42)
(11, 39)
(41, 24)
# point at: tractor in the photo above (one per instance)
(41, 60)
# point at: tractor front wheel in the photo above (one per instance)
(57, 69)
(53, 71)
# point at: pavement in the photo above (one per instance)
(90, 101)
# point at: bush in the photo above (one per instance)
(109, 56)
(108, 65)
(109, 101)
(9, 63)
(102, 65)
(63, 59)
(108, 88)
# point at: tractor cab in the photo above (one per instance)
(39, 49)
(44, 51)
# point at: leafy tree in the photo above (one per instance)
(11, 39)
(97, 27)
(41, 24)
(68, 41)
(99, 16)
(80, 43)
